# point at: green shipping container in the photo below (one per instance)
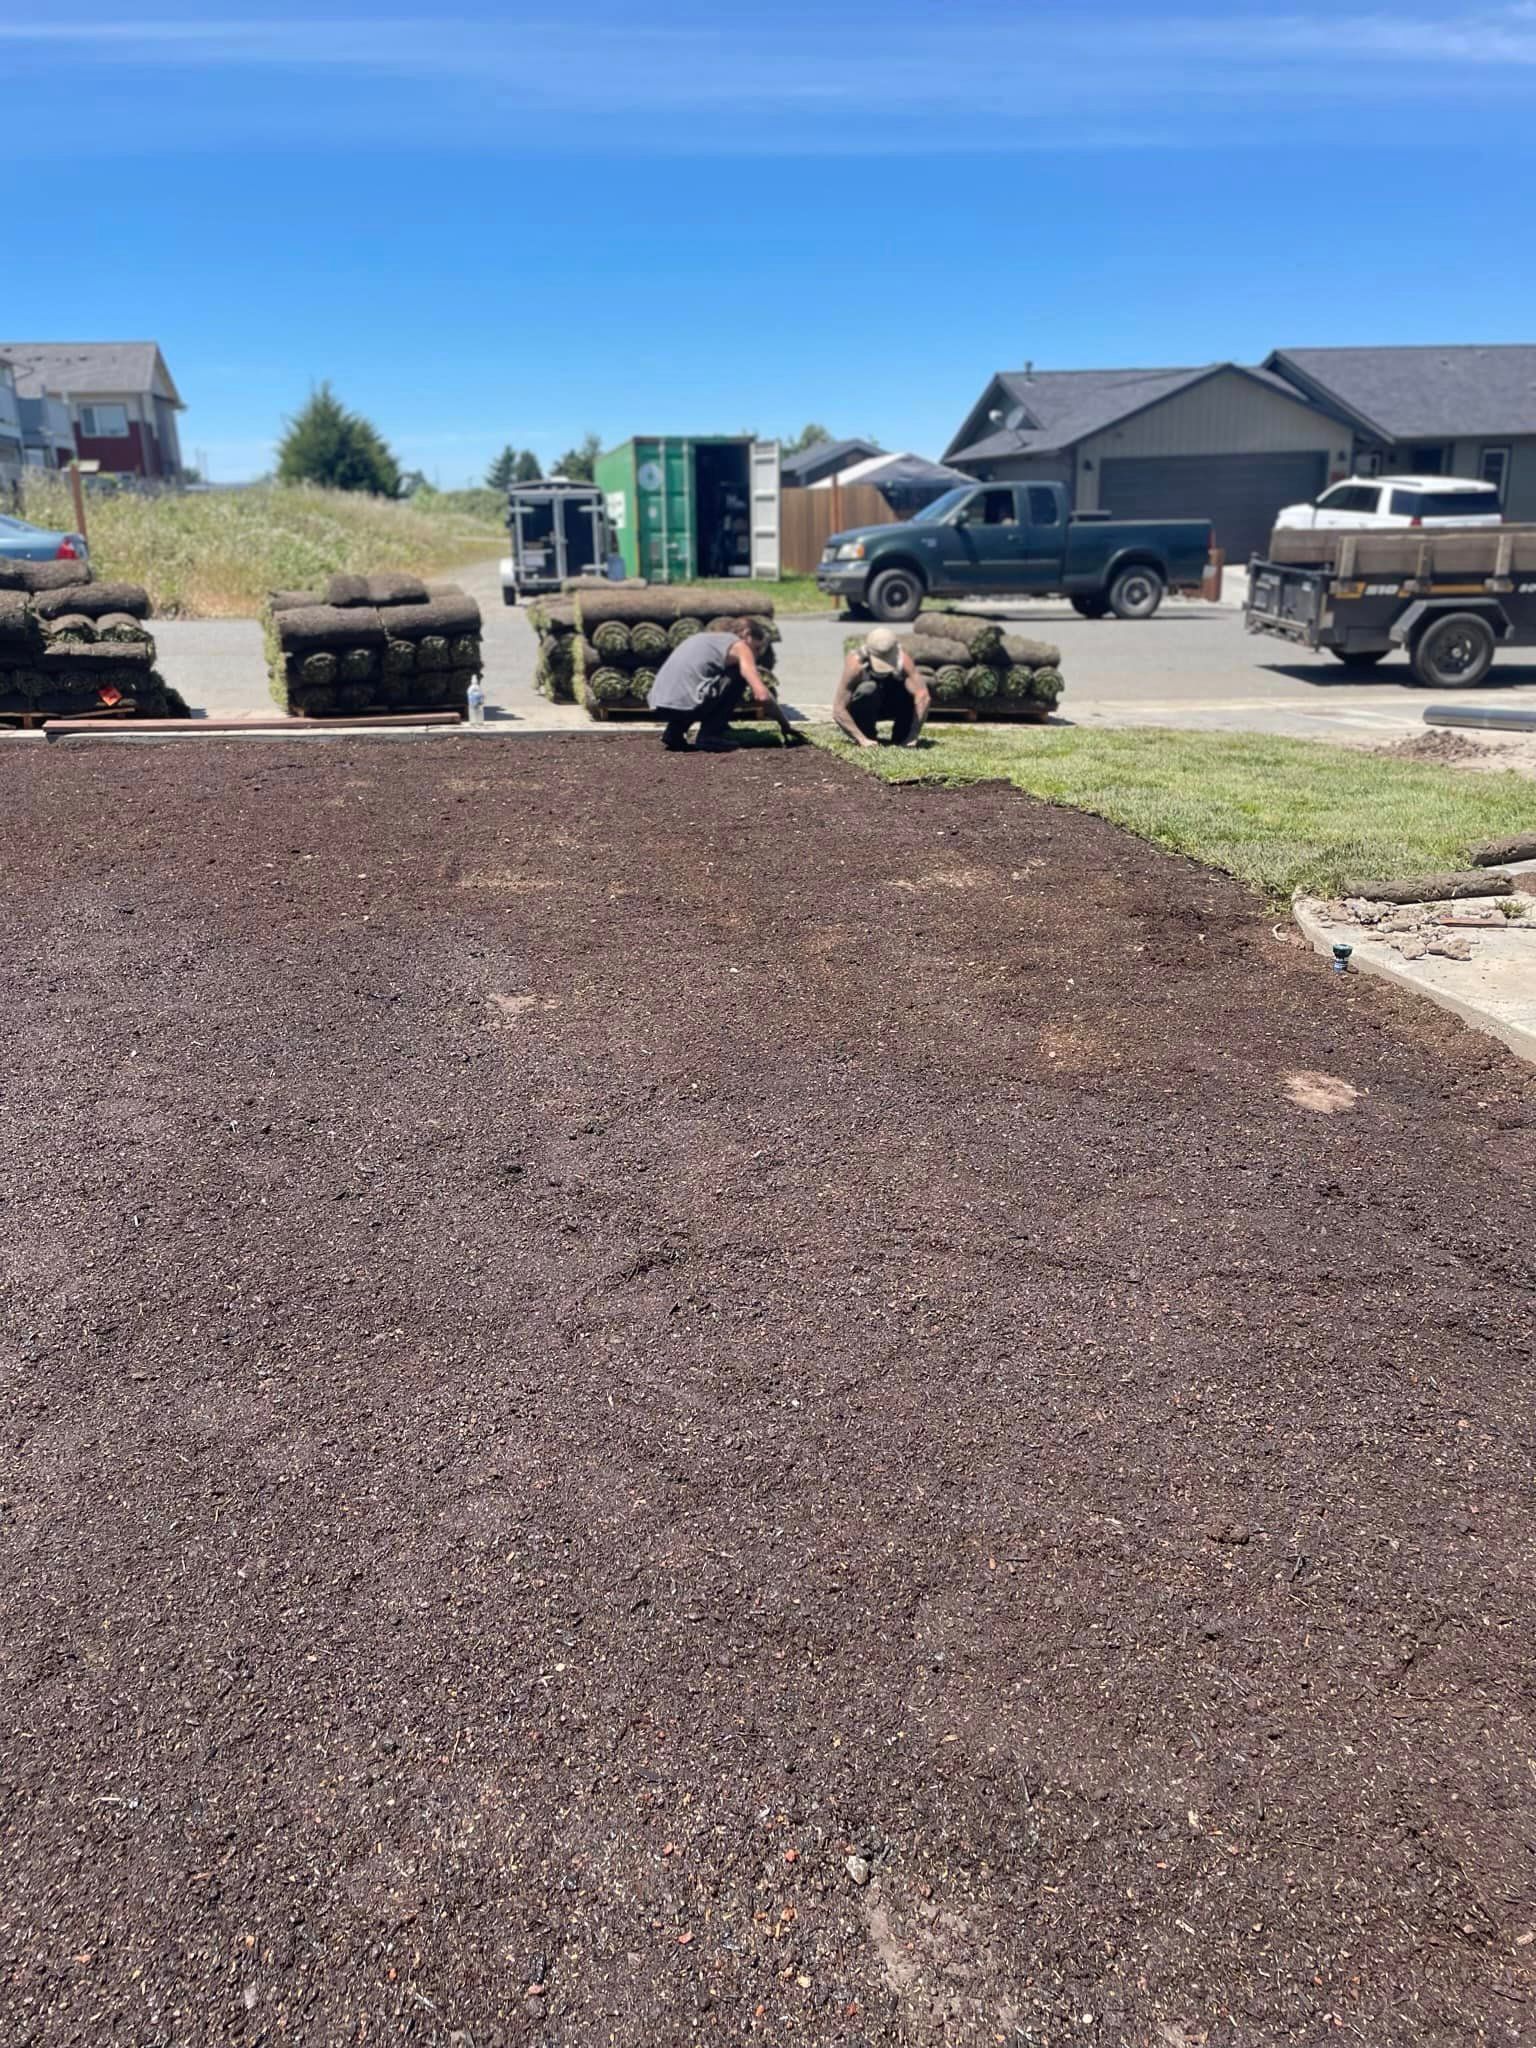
(688, 508)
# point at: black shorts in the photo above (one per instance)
(892, 700)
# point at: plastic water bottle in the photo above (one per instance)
(477, 702)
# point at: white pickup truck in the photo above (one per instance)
(1387, 501)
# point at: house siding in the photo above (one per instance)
(1226, 415)
(1012, 469)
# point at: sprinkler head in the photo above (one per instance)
(1341, 954)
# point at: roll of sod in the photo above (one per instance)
(649, 637)
(36, 577)
(611, 638)
(683, 629)
(321, 628)
(983, 637)
(94, 599)
(74, 626)
(119, 626)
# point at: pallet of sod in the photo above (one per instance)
(619, 637)
(372, 644)
(77, 650)
(975, 670)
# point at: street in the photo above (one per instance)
(1192, 666)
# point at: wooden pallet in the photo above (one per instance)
(635, 712)
(34, 721)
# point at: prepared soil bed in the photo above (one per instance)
(664, 1400)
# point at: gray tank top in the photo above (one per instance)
(692, 673)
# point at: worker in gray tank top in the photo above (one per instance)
(704, 680)
(880, 680)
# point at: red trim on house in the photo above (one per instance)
(136, 453)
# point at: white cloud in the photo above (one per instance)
(850, 79)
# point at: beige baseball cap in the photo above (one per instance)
(884, 651)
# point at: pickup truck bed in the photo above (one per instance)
(1451, 598)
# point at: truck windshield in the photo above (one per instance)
(932, 514)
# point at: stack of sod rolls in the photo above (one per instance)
(973, 667)
(372, 644)
(618, 638)
(74, 648)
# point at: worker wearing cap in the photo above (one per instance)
(704, 680)
(879, 681)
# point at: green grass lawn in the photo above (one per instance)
(1279, 814)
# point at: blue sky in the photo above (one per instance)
(485, 225)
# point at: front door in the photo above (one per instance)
(987, 541)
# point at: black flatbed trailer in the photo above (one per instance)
(1452, 598)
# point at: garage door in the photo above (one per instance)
(1239, 494)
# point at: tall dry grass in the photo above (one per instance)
(216, 554)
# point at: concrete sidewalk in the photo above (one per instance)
(1493, 990)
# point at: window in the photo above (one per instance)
(104, 422)
(1042, 506)
(994, 508)
(1447, 504)
(1494, 469)
(1349, 498)
(1427, 461)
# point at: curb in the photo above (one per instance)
(1513, 1023)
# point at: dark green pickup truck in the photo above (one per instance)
(1015, 540)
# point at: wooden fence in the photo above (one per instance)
(807, 517)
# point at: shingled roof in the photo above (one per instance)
(1062, 407)
(87, 366)
(1408, 394)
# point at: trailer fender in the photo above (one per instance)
(1405, 628)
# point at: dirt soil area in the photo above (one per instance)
(661, 1400)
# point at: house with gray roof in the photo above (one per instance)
(1233, 443)
(121, 398)
(812, 465)
(1465, 411)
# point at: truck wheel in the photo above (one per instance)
(1359, 657)
(508, 596)
(895, 595)
(1136, 592)
(1091, 607)
(1453, 653)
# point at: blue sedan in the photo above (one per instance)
(21, 542)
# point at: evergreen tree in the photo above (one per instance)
(807, 437)
(528, 470)
(580, 463)
(503, 470)
(326, 444)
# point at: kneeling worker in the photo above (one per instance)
(879, 680)
(705, 679)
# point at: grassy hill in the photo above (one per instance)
(215, 554)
